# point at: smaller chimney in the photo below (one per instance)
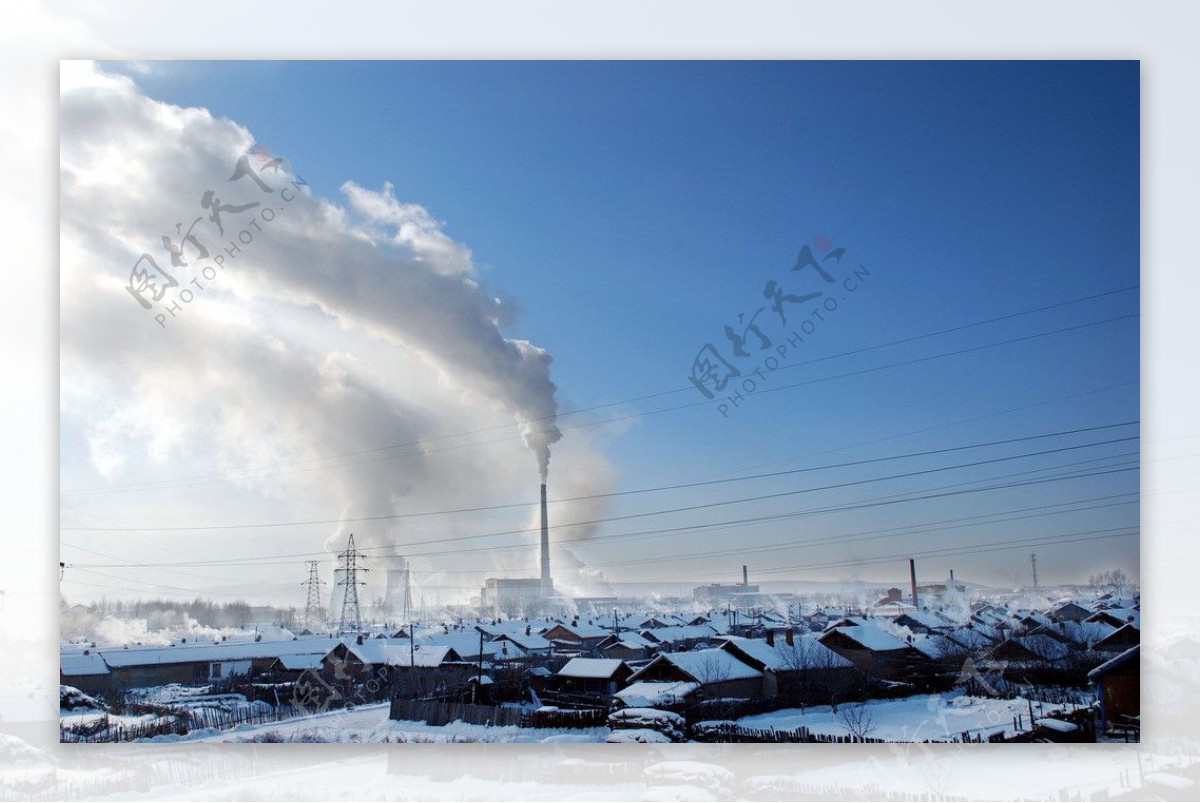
(912, 573)
(770, 637)
(789, 637)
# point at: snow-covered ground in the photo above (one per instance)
(936, 717)
(370, 723)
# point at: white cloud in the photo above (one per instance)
(333, 330)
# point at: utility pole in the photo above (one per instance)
(312, 605)
(1033, 560)
(351, 618)
(412, 659)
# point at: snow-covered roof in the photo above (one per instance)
(926, 619)
(935, 647)
(582, 630)
(530, 643)
(77, 664)
(1117, 662)
(1083, 633)
(971, 637)
(894, 608)
(397, 652)
(591, 668)
(223, 651)
(805, 652)
(1056, 725)
(710, 666)
(1123, 615)
(297, 663)
(649, 693)
(1044, 646)
(631, 639)
(679, 633)
(466, 644)
(869, 636)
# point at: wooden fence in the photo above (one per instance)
(179, 724)
(443, 712)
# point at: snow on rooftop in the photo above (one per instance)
(590, 668)
(805, 652)
(871, 637)
(223, 651)
(679, 633)
(650, 693)
(398, 652)
(711, 666)
(76, 664)
(1056, 725)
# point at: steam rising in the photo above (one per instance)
(244, 375)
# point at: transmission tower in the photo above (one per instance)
(351, 619)
(312, 607)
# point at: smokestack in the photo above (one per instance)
(745, 576)
(547, 586)
(912, 573)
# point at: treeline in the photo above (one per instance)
(161, 614)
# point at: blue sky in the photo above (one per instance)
(632, 210)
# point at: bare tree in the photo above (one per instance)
(818, 673)
(859, 720)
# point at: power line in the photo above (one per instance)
(224, 476)
(656, 489)
(895, 499)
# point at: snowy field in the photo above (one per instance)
(370, 724)
(936, 717)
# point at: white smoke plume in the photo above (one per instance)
(243, 374)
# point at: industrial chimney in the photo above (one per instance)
(745, 575)
(547, 585)
(912, 573)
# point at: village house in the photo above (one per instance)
(626, 646)
(184, 662)
(1068, 611)
(717, 672)
(923, 622)
(872, 650)
(600, 677)
(679, 637)
(795, 667)
(1119, 682)
(577, 637)
(1120, 639)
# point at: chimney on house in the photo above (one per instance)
(912, 573)
(789, 636)
(770, 637)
